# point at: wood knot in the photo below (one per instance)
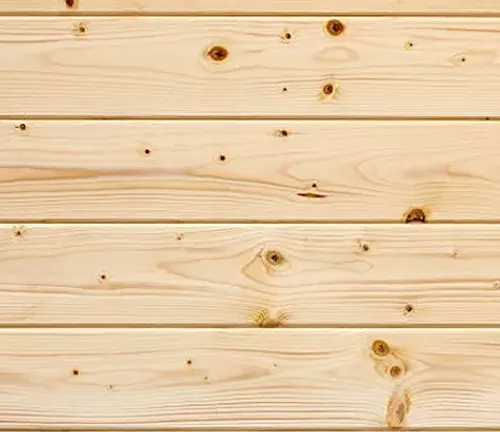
(282, 133)
(409, 309)
(274, 258)
(415, 215)
(286, 36)
(264, 319)
(335, 27)
(80, 29)
(218, 53)
(381, 348)
(19, 231)
(398, 408)
(328, 89)
(22, 126)
(364, 246)
(395, 371)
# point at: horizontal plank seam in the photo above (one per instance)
(234, 222)
(233, 429)
(248, 14)
(37, 117)
(163, 326)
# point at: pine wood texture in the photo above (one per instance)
(257, 6)
(248, 171)
(249, 378)
(205, 215)
(249, 275)
(261, 66)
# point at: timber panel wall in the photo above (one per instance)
(249, 215)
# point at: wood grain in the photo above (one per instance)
(300, 379)
(249, 275)
(159, 67)
(258, 6)
(243, 171)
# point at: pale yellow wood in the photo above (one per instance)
(302, 379)
(250, 275)
(158, 66)
(330, 171)
(256, 6)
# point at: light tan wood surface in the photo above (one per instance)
(251, 378)
(449, 7)
(205, 207)
(272, 66)
(366, 171)
(249, 275)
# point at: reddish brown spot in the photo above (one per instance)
(335, 27)
(381, 348)
(395, 371)
(75, 372)
(222, 158)
(328, 89)
(218, 53)
(189, 362)
(70, 3)
(311, 195)
(415, 215)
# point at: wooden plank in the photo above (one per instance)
(249, 275)
(259, 6)
(253, 378)
(260, 66)
(243, 171)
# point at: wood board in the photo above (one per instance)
(249, 275)
(249, 378)
(236, 171)
(169, 67)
